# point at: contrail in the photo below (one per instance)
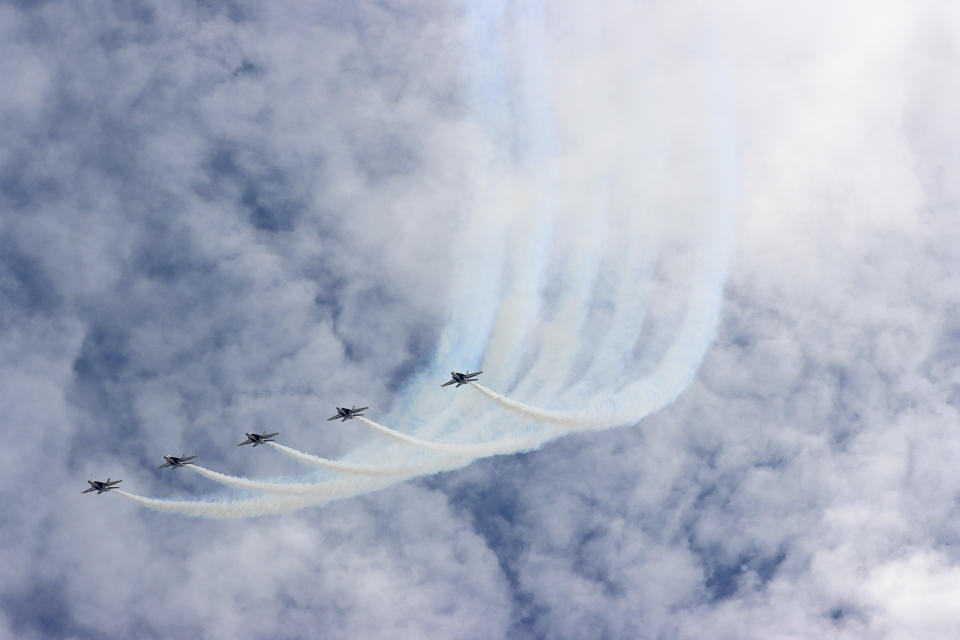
(676, 369)
(657, 389)
(260, 486)
(210, 509)
(262, 505)
(445, 456)
(473, 451)
(533, 208)
(343, 467)
(245, 483)
(558, 337)
(564, 418)
(482, 247)
(286, 497)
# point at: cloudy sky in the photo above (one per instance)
(711, 250)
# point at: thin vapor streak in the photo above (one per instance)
(261, 505)
(468, 450)
(571, 419)
(340, 466)
(285, 488)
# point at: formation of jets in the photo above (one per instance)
(345, 414)
(256, 439)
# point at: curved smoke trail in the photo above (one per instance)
(345, 467)
(473, 310)
(508, 445)
(260, 486)
(260, 506)
(558, 336)
(533, 211)
(679, 364)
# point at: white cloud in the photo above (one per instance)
(805, 486)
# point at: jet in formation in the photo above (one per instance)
(461, 378)
(174, 461)
(345, 414)
(258, 438)
(100, 487)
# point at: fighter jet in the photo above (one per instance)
(174, 461)
(258, 438)
(100, 487)
(345, 414)
(461, 378)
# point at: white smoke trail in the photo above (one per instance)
(473, 309)
(216, 509)
(262, 505)
(291, 488)
(558, 337)
(659, 388)
(470, 451)
(296, 488)
(679, 364)
(533, 209)
(507, 73)
(630, 292)
(626, 161)
(286, 497)
(344, 467)
(571, 420)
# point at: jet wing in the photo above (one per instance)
(360, 409)
(334, 417)
(247, 441)
(110, 484)
(165, 464)
(270, 435)
(187, 458)
(470, 375)
(449, 382)
(89, 490)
